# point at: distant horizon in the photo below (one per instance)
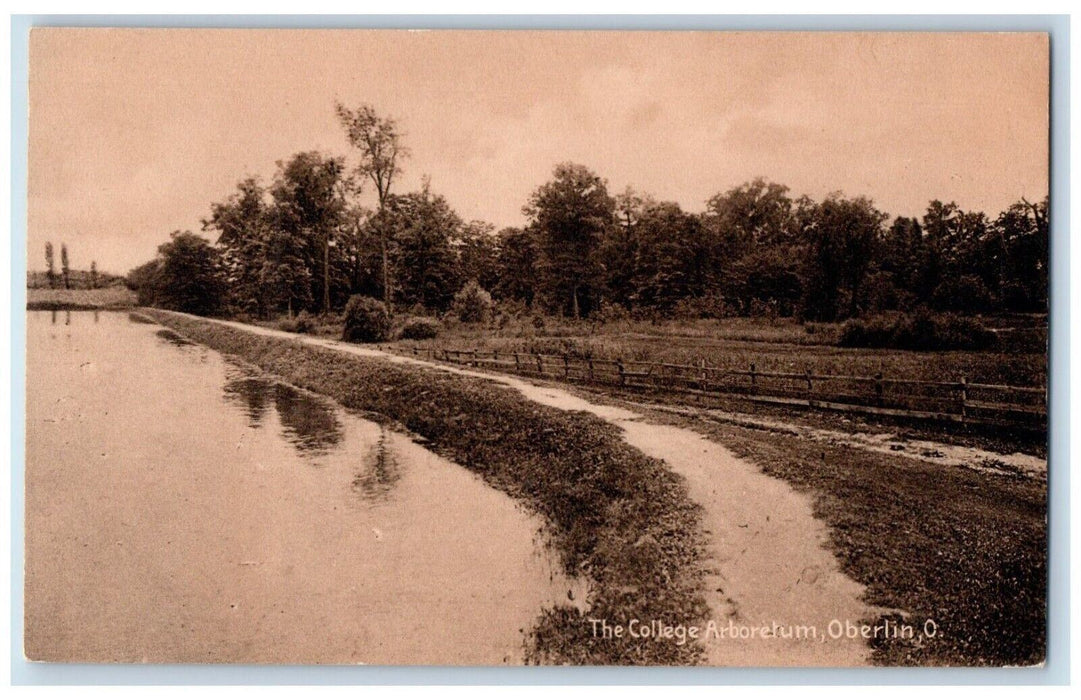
(133, 133)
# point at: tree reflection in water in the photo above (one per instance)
(380, 471)
(307, 423)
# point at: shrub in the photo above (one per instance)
(918, 331)
(366, 320)
(472, 303)
(420, 329)
(303, 323)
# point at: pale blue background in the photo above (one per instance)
(1057, 668)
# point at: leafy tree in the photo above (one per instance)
(842, 243)
(478, 253)
(145, 281)
(188, 276)
(308, 207)
(671, 256)
(243, 225)
(379, 143)
(518, 252)
(620, 248)
(754, 214)
(423, 252)
(1019, 242)
(571, 213)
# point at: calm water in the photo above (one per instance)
(183, 508)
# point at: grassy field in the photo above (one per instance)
(780, 345)
(620, 517)
(115, 297)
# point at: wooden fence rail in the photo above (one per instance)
(945, 401)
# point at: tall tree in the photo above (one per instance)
(50, 264)
(65, 268)
(671, 257)
(1021, 242)
(842, 242)
(93, 274)
(478, 253)
(429, 272)
(188, 275)
(379, 141)
(517, 264)
(243, 225)
(572, 214)
(308, 207)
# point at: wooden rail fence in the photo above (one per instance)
(944, 401)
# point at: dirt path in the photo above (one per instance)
(770, 567)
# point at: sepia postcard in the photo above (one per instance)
(488, 348)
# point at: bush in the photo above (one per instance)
(420, 329)
(366, 320)
(919, 331)
(303, 323)
(472, 303)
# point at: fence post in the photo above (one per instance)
(878, 388)
(566, 367)
(495, 357)
(473, 355)
(622, 376)
(517, 363)
(964, 398)
(591, 369)
(808, 374)
(540, 363)
(754, 380)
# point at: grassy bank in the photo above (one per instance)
(616, 515)
(111, 298)
(963, 548)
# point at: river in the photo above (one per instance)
(183, 508)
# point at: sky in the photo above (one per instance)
(134, 132)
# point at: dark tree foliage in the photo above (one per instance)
(424, 256)
(65, 267)
(185, 276)
(50, 264)
(672, 256)
(571, 214)
(516, 263)
(478, 254)
(842, 243)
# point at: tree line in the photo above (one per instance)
(304, 241)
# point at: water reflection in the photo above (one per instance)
(252, 394)
(381, 471)
(307, 423)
